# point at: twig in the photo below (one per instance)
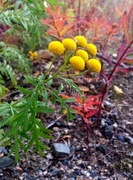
(53, 123)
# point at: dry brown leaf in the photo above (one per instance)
(84, 88)
(66, 136)
(37, 73)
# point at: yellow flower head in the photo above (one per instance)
(77, 63)
(56, 47)
(35, 53)
(83, 54)
(81, 41)
(94, 65)
(69, 44)
(92, 49)
(30, 52)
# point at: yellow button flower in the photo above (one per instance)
(69, 44)
(92, 49)
(77, 63)
(81, 41)
(56, 47)
(83, 54)
(94, 65)
(30, 52)
(35, 53)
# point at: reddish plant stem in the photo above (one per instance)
(109, 79)
(88, 138)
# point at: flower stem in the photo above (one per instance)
(109, 79)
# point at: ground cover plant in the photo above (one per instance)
(80, 48)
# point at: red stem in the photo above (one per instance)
(109, 79)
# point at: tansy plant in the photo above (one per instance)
(25, 128)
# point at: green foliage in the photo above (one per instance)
(25, 22)
(3, 89)
(21, 117)
(13, 61)
(6, 70)
(14, 56)
(25, 128)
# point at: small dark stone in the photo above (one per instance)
(6, 161)
(94, 118)
(72, 178)
(120, 138)
(101, 148)
(54, 172)
(3, 150)
(93, 174)
(73, 175)
(114, 115)
(74, 159)
(58, 123)
(28, 177)
(108, 131)
(108, 121)
(83, 165)
(109, 158)
(65, 162)
(73, 149)
(128, 139)
(60, 150)
(60, 174)
(78, 171)
(101, 162)
(99, 178)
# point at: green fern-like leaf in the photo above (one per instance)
(6, 70)
(13, 56)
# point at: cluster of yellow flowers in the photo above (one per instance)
(33, 55)
(83, 53)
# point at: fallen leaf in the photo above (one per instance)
(37, 73)
(84, 88)
(66, 136)
(118, 90)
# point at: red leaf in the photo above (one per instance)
(91, 113)
(125, 26)
(65, 96)
(86, 120)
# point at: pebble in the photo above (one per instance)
(101, 148)
(120, 138)
(49, 156)
(115, 125)
(6, 161)
(108, 121)
(65, 162)
(129, 139)
(3, 151)
(58, 123)
(86, 173)
(56, 129)
(60, 150)
(108, 131)
(54, 172)
(93, 174)
(94, 118)
(73, 149)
